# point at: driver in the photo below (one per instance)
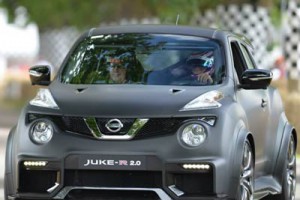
(117, 72)
(118, 68)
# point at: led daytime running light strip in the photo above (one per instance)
(196, 166)
(35, 163)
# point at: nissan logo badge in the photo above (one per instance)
(114, 125)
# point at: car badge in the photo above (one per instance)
(114, 125)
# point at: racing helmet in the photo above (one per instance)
(201, 59)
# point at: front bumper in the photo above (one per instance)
(80, 176)
(154, 166)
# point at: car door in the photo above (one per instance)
(254, 103)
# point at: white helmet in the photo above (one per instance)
(202, 59)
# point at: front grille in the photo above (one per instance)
(107, 178)
(76, 125)
(154, 127)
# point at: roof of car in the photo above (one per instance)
(159, 29)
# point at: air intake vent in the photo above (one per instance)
(109, 195)
(94, 178)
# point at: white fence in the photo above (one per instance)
(251, 21)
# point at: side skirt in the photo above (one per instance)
(266, 185)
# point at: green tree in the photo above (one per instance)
(50, 14)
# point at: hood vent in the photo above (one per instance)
(80, 90)
(176, 91)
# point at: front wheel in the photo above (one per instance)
(290, 185)
(246, 186)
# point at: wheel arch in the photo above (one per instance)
(252, 143)
(242, 136)
(294, 132)
(8, 178)
(282, 152)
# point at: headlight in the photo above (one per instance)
(193, 134)
(41, 132)
(44, 99)
(205, 101)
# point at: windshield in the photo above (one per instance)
(150, 59)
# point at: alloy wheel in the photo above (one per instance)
(291, 170)
(246, 177)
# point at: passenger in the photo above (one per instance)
(201, 65)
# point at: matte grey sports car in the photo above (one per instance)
(153, 112)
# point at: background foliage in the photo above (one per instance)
(90, 13)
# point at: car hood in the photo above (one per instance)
(123, 100)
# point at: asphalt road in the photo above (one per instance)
(3, 136)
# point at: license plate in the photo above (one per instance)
(112, 162)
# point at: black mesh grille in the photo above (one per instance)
(160, 126)
(76, 125)
(154, 127)
(111, 195)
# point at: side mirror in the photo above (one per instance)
(40, 75)
(256, 79)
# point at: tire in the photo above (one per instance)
(246, 183)
(289, 174)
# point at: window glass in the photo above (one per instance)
(247, 56)
(150, 59)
